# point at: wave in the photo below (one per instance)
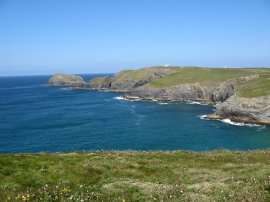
(163, 103)
(65, 88)
(229, 121)
(195, 103)
(203, 117)
(120, 98)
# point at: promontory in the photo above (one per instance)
(239, 94)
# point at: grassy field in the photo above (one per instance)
(136, 176)
(256, 88)
(200, 75)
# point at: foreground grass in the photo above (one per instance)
(136, 176)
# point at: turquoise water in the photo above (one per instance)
(35, 118)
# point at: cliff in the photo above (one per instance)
(247, 110)
(240, 92)
(129, 79)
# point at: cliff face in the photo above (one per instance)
(205, 85)
(100, 83)
(249, 110)
(128, 80)
(206, 93)
(66, 80)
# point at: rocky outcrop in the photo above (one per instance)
(207, 93)
(128, 80)
(66, 80)
(100, 83)
(203, 92)
(137, 84)
(247, 110)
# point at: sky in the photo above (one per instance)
(97, 36)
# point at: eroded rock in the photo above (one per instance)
(66, 80)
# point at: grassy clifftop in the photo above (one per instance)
(196, 74)
(181, 75)
(164, 77)
(141, 74)
(256, 88)
(136, 176)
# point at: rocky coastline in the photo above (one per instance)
(224, 95)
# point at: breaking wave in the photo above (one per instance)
(229, 121)
(195, 103)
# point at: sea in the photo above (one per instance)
(38, 118)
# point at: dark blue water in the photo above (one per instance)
(35, 118)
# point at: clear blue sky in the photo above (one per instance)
(44, 37)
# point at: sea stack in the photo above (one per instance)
(66, 80)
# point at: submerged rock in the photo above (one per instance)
(66, 80)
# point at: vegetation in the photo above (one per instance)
(136, 176)
(180, 75)
(139, 74)
(203, 75)
(98, 80)
(257, 87)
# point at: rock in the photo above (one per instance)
(135, 83)
(203, 92)
(207, 93)
(247, 110)
(66, 80)
(129, 79)
(100, 83)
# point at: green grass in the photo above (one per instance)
(98, 80)
(202, 75)
(139, 74)
(136, 176)
(256, 88)
(182, 75)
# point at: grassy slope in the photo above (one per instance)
(255, 88)
(136, 176)
(139, 74)
(191, 75)
(98, 80)
(180, 75)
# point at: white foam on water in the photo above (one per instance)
(66, 89)
(163, 103)
(195, 103)
(120, 98)
(229, 121)
(202, 117)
